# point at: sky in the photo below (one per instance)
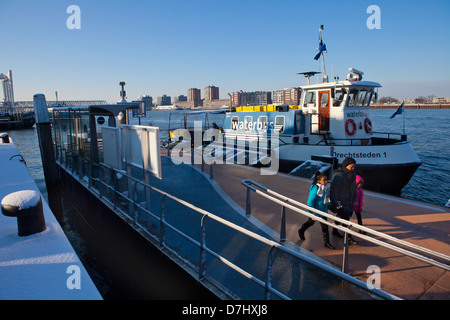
(168, 46)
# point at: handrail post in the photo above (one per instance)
(90, 175)
(115, 187)
(211, 172)
(202, 162)
(202, 264)
(283, 224)
(134, 211)
(248, 206)
(162, 226)
(345, 254)
(268, 285)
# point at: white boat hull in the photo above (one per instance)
(394, 154)
(385, 168)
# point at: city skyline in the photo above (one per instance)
(168, 47)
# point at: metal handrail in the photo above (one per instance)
(293, 205)
(202, 245)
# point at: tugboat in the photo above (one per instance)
(332, 122)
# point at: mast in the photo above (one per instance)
(325, 77)
(321, 49)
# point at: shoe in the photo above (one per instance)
(352, 241)
(329, 246)
(301, 234)
(337, 234)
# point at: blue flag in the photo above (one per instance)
(398, 111)
(322, 48)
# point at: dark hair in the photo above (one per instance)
(318, 175)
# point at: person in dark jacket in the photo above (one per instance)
(342, 192)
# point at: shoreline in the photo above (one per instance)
(411, 106)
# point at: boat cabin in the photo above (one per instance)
(330, 113)
(338, 112)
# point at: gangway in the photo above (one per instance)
(346, 226)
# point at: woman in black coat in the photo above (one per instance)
(343, 191)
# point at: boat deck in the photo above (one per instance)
(418, 223)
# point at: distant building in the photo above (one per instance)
(148, 102)
(194, 94)
(255, 98)
(440, 99)
(211, 93)
(195, 97)
(278, 97)
(290, 96)
(164, 100)
(179, 98)
(407, 101)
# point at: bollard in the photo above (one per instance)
(4, 137)
(26, 206)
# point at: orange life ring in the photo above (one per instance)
(368, 125)
(349, 123)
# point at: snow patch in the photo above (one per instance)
(23, 199)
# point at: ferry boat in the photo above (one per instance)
(332, 121)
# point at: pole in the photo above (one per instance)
(404, 109)
(11, 86)
(47, 153)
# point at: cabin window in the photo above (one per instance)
(279, 124)
(310, 99)
(262, 124)
(339, 98)
(248, 123)
(234, 123)
(368, 98)
(361, 98)
(352, 97)
(323, 99)
(298, 126)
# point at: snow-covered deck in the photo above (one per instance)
(43, 265)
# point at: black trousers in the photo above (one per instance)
(345, 215)
(358, 217)
(310, 222)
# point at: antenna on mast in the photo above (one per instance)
(308, 75)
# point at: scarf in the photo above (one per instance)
(351, 176)
(323, 191)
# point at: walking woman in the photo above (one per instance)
(342, 193)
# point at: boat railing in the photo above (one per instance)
(348, 227)
(387, 137)
(123, 193)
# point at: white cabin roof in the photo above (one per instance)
(345, 83)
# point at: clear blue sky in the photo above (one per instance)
(168, 46)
